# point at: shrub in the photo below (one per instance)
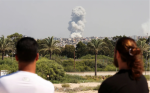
(65, 85)
(83, 65)
(72, 79)
(110, 68)
(49, 69)
(8, 64)
(69, 69)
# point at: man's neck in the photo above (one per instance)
(28, 67)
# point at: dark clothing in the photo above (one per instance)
(122, 82)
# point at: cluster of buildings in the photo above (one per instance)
(74, 41)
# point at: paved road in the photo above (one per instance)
(102, 73)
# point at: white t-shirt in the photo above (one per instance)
(25, 82)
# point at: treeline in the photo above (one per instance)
(91, 50)
(81, 49)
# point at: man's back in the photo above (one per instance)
(25, 82)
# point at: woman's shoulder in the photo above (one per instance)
(106, 85)
(109, 81)
(113, 80)
(142, 79)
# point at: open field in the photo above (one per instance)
(87, 87)
(77, 87)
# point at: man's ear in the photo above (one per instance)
(16, 57)
(37, 57)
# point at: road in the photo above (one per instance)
(102, 73)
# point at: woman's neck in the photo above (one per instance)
(122, 65)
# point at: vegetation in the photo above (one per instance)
(7, 64)
(4, 45)
(143, 45)
(50, 46)
(49, 69)
(96, 88)
(81, 49)
(96, 45)
(65, 85)
(144, 48)
(68, 51)
(54, 61)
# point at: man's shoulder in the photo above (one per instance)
(8, 75)
(46, 82)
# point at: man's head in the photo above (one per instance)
(127, 54)
(27, 50)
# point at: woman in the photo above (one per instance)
(129, 79)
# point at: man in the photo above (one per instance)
(129, 79)
(25, 80)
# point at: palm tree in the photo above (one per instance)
(144, 47)
(4, 45)
(96, 45)
(50, 46)
(148, 40)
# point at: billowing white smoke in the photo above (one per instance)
(77, 24)
(146, 27)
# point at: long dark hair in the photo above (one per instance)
(130, 54)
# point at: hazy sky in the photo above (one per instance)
(43, 18)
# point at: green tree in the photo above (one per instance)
(96, 45)
(110, 50)
(142, 45)
(144, 48)
(142, 39)
(114, 39)
(41, 43)
(68, 51)
(81, 49)
(50, 45)
(4, 45)
(14, 38)
(148, 40)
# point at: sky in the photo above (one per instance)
(46, 18)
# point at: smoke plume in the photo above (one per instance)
(77, 23)
(146, 27)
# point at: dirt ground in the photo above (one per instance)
(91, 84)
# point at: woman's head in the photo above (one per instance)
(130, 54)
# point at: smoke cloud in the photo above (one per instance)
(77, 23)
(146, 27)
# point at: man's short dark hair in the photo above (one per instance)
(26, 49)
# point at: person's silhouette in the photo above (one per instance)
(129, 79)
(25, 80)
